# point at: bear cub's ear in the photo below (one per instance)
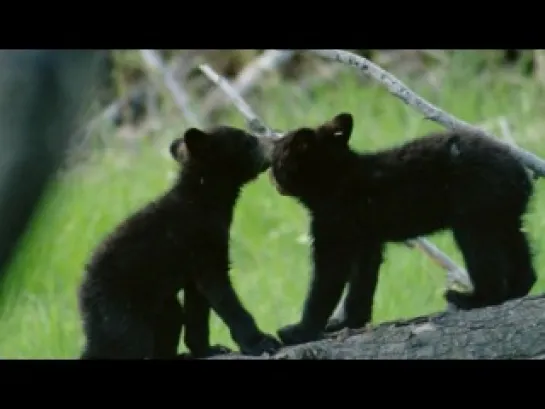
(196, 140)
(341, 126)
(176, 149)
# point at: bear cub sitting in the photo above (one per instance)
(128, 297)
(360, 201)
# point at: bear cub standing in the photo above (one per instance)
(360, 201)
(128, 298)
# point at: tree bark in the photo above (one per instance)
(514, 330)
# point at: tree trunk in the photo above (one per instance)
(514, 330)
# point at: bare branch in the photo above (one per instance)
(154, 62)
(249, 76)
(455, 274)
(113, 109)
(254, 122)
(431, 112)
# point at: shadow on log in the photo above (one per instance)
(514, 330)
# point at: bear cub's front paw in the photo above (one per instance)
(462, 301)
(297, 334)
(265, 344)
(217, 349)
(210, 351)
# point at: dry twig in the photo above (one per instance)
(249, 76)
(455, 274)
(255, 124)
(113, 109)
(154, 62)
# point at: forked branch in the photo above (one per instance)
(249, 76)
(154, 62)
(455, 274)
(430, 111)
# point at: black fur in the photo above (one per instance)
(360, 201)
(128, 298)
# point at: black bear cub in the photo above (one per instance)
(128, 298)
(360, 201)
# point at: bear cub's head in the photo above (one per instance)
(223, 152)
(306, 160)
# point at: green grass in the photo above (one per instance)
(270, 252)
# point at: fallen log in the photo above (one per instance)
(513, 330)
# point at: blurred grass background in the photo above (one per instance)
(120, 167)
